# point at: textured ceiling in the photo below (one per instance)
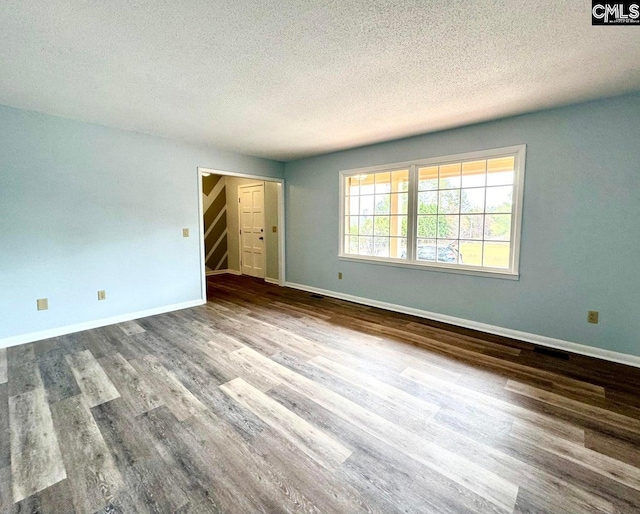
(290, 78)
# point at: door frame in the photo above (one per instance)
(264, 229)
(281, 221)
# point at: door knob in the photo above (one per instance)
(261, 238)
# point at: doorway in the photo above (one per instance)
(241, 225)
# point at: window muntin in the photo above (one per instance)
(460, 212)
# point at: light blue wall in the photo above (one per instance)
(580, 233)
(84, 207)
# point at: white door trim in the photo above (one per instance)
(203, 268)
(281, 221)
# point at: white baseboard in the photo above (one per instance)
(223, 272)
(559, 344)
(88, 325)
(269, 280)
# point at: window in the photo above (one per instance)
(459, 213)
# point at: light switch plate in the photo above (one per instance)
(102, 295)
(43, 304)
(185, 232)
(274, 229)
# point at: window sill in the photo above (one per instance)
(441, 268)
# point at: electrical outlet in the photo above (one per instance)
(185, 232)
(592, 317)
(340, 275)
(102, 295)
(43, 304)
(274, 229)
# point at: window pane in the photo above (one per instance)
(398, 226)
(471, 253)
(497, 227)
(471, 226)
(448, 227)
(366, 205)
(351, 244)
(398, 248)
(367, 184)
(366, 225)
(449, 201)
(383, 204)
(426, 250)
(352, 185)
(427, 226)
(351, 225)
(400, 181)
(499, 199)
(399, 203)
(428, 178)
(496, 255)
(353, 205)
(428, 202)
(383, 182)
(500, 171)
(365, 245)
(450, 176)
(472, 200)
(381, 246)
(381, 226)
(447, 251)
(474, 174)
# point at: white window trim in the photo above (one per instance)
(512, 273)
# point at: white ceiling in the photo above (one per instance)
(290, 78)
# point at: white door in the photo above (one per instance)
(252, 230)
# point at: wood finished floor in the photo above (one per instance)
(272, 400)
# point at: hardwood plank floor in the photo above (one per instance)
(88, 461)
(269, 399)
(96, 386)
(3, 365)
(36, 461)
(311, 441)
